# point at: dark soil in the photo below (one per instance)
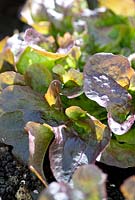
(16, 180)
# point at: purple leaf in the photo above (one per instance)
(115, 66)
(68, 151)
(104, 90)
(33, 37)
(120, 129)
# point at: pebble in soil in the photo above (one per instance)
(13, 174)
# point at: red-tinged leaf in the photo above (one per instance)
(119, 154)
(115, 66)
(42, 52)
(128, 188)
(120, 129)
(105, 91)
(68, 151)
(65, 43)
(33, 37)
(90, 180)
(52, 95)
(40, 137)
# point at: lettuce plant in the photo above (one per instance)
(62, 99)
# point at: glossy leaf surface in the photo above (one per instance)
(115, 66)
(68, 151)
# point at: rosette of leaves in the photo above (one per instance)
(106, 81)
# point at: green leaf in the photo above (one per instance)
(40, 137)
(29, 57)
(86, 104)
(128, 138)
(119, 154)
(38, 77)
(75, 113)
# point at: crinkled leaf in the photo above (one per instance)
(90, 180)
(106, 92)
(121, 128)
(38, 77)
(31, 56)
(115, 66)
(32, 107)
(40, 137)
(68, 151)
(119, 154)
(126, 7)
(128, 188)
